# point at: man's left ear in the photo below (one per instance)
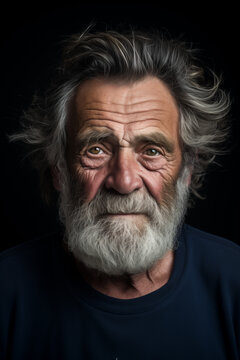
(56, 178)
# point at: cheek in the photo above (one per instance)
(91, 181)
(154, 183)
(157, 181)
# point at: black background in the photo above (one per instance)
(30, 39)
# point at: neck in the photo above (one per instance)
(130, 286)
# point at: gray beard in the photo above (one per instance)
(117, 245)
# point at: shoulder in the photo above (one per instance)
(215, 256)
(27, 272)
(16, 253)
(26, 259)
(202, 239)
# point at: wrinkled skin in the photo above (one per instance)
(124, 164)
(124, 137)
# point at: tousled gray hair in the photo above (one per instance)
(131, 56)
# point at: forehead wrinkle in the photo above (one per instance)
(125, 129)
(126, 113)
(120, 104)
(125, 118)
(120, 122)
(89, 105)
(123, 109)
(101, 110)
(104, 95)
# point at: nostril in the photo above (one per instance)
(112, 191)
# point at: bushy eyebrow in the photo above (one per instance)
(98, 136)
(155, 138)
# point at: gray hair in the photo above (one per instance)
(131, 56)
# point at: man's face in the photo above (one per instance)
(124, 137)
(125, 191)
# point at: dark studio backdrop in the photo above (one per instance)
(30, 39)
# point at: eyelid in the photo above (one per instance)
(156, 147)
(108, 148)
(102, 147)
(152, 148)
(92, 147)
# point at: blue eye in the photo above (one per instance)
(152, 152)
(95, 150)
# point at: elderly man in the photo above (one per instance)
(124, 135)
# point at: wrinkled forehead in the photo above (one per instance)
(114, 103)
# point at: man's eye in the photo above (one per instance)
(95, 150)
(152, 152)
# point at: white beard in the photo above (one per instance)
(117, 245)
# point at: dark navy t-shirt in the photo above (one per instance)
(48, 312)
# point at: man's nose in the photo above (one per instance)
(124, 177)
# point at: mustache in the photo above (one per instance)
(109, 202)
